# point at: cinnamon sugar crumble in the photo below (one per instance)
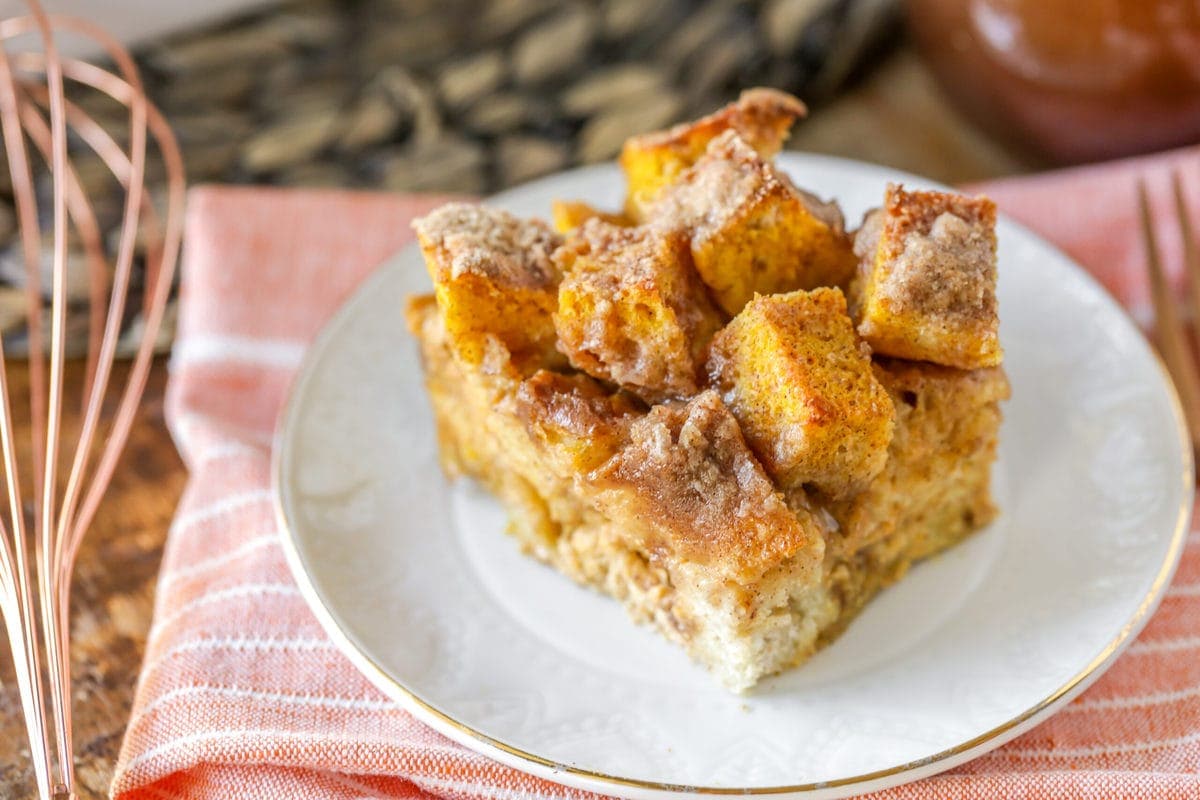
(727, 178)
(762, 115)
(704, 488)
(492, 243)
(631, 310)
(937, 252)
(945, 272)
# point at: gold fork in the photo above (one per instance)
(1169, 329)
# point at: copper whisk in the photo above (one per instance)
(69, 479)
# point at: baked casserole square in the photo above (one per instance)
(678, 406)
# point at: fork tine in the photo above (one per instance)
(1191, 258)
(1171, 340)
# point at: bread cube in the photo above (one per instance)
(762, 117)
(494, 279)
(687, 490)
(570, 214)
(631, 309)
(926, 288)
(576, 423)
(800, 383)
(752, 230)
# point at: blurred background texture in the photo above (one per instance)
(471, 96)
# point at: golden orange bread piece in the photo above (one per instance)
(936, 479)
(652, 161)
(568, 215)
(493, 277)
(751, 229)
(631, 310)
(800, 383)
(691, 489)
(926, 286)
(575, 422)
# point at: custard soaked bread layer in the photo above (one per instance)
(677, 408)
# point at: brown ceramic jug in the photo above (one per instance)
(1072, 80)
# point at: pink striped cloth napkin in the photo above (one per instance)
(242, 695)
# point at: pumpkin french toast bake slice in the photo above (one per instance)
(724, 453)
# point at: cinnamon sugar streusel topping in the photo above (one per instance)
(953, 260)
(764, 116)
(493, 243)
(635, 246)
(943, 255)
(726, 179)
(729, 176)
(689, 476)
(631, 310)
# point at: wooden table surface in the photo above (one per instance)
(113, 592)
(896, 117)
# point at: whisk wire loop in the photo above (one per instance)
(69, 478)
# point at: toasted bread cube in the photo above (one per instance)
(687, 489)
(632, 311)
(752, 230)
(762, 117)
(575, 422)
(570, 214)
(926, 288)
(494, 278)
(800, 383)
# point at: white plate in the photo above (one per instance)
(418, 584)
